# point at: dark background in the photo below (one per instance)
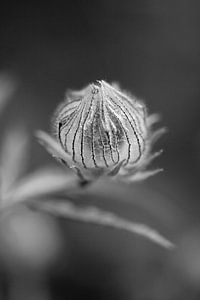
(152, 48)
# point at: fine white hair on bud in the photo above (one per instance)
(104, 131)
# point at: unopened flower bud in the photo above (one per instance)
(102, 130)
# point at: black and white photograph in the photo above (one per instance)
(100, 150)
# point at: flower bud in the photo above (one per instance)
(100, 127)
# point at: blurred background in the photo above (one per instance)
(152, 48)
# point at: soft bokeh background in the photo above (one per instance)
(152, 48)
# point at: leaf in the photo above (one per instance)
(157, 134)
(42, 182)
(142, 175)
(8, 86)
(53, 147)
(13, 158)
(97, 216)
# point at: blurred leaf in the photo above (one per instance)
(13, 160)
(53, 147)
(42, 182)
(7, 88)
(97, 216)
(144, 175)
